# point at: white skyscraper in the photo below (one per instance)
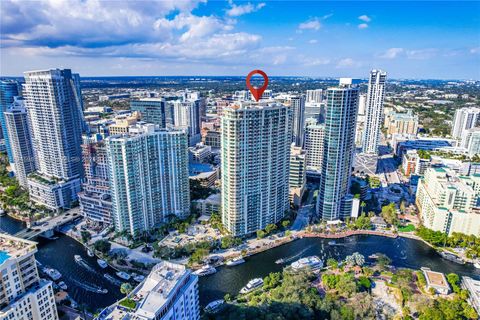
(54, 107)
(314, 96)
(148, 171)
(256, 140)
(20, 141)
(465, 119)
(333, 200)
(297, 104)
(373, 111)
(186, 114)
(24, 295)
(314, 136)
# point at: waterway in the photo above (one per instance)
(404, 252)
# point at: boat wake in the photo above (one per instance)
(113, 280)
(294, 257)
(90, 287)
(85, 265)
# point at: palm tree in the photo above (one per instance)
(362, 205)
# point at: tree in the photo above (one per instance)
(86, 236)
(454, 280)
(126, 288)
(389, 213)
(198, 255)
(383, 260)
(103, 246)
(332, 263)
(261, 234)
(285, 224)
(355, 259)
(270, 228)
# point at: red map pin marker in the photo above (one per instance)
(257, 92)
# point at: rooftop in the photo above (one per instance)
(14, 247)
(435, 278)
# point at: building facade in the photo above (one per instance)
(54, 108)
(148, 171)
(169, 292)
(315, 96)
(314, 136)
(297, 175)
(374, 111)
(401, 123)
(18, 130)
(187, 116)
(255, 153)
(8, 90)
(24, 295)
(153, 110)
(448, 202)
(297, 104)
(95, 199)
(465, 119)
(338, 149)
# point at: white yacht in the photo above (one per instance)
(123, 275)
(52, 273)
(63, 285)
(77, 258)
(205, 271)
(314, 262)
(476, 264)
(102, 263)
(214, 306)
(235, 261)
(252, 285)
(139, 278)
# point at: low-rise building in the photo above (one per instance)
(436, 281)
(170, 292)
(24, 295)
(473, 288)
(448, 202)
(212, 204)
(53, 193)
(401, 123)
(199, 153)
(123, 123)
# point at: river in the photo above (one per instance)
(403, 252)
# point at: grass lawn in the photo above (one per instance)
(407, 228)
(128, 303)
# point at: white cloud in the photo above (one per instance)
(313, 41)
(348, 63)
(391, 53)
(365, 18)
(422, 54)
(475, 50)
(236, 11)
(313, 24)
(362, 26)
(312, 62)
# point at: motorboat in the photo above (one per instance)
(102, 263)
(139, 278)
(77, 258)
(90, 253)
(205, 271)
(252, 285)
(62, 285)
(52, 273)
(312, 262)
(123, 275)
(280, 261)
(235, 261)
(476, 264)
(331, 243)
(214, 306)
(451, 257)
(373, 256)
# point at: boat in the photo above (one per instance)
(139, 278)
(90, 253)
(52, 273)
(373, 256)
(123, 275)
(77, 258)
(205, 271)
(312, 262)
(280, 261)
(102, 263)
(102, 291)
(451, 257)
(476, 264)
(331, 243)
(235, 261)
(214, 306)
(252, 285)
(62, 285)
(2, 213)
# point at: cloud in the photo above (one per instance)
(236, 11)
(474, 50)
(312, 24)
(421, 54)
(348, 63)
(313, 41)
(365, 18)
(362, 26)
(391, 53)
(312, 62)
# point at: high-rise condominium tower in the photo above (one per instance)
(153, 110)
(256, 140)
(8, 90)
(338, 147)
(297, 104)
(314, 138)
(186, 115)
(148, 171)
(54, 107)
(465, 119)
(373, 111)
(20, 140)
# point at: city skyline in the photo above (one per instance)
(227, 38)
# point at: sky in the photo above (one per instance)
(408, 39)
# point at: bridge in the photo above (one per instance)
(46, 227)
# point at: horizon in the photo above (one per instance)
(409, 40)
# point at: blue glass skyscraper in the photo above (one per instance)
(8, 90)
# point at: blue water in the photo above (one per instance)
(3, 256)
